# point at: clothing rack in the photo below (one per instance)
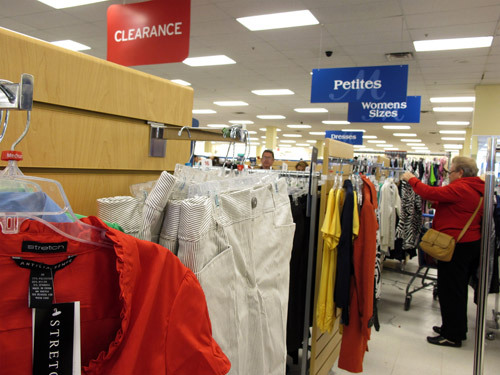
(406, 153)
(487, 225)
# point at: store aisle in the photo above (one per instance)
(400, 347)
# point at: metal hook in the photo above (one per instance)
(4, 127)
(192, 142)
(26, 128)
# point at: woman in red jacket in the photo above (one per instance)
(455, 203)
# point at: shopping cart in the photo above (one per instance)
(425, 264)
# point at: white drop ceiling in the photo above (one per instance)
(359, 32)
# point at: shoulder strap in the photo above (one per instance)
(470, 220)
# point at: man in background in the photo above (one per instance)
(267, 159)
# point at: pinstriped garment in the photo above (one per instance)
(124, 210)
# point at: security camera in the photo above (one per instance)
(328, 53)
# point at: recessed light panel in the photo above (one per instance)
(317, 133)
(209, 60)
(242, 122)
(203, 111)
(292, 135)
(397, 127)
(271, 117)
(273, 92)
(311, 110)
(278, 20)
(453, 138)
(231, 103)
(410, 140)
(335, 122)
(452, 132)
(450, 44)
(454, 99)
(60, 4)
(299, 126)
(354, 130)
(404, 134)
(453, 122)
(369, 136)
(180, 82)
(220, 126)
(376, 141)
(453, 109)
(71, 45)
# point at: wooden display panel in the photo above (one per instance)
(89, 126)
(325, 347)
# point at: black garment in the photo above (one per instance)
(453, 287)
(344, 255)
(298, 275)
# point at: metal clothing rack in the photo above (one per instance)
(489, 188)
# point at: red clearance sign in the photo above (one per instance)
(153, 32)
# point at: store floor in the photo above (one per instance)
(400, 346)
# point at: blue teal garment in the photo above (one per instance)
(32, 202)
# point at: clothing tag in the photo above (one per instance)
(44, 248)
(56, 340)
(41, 286)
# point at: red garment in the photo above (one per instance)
(356, 335)
(455, 203)
(142, 311)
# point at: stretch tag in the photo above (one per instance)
(41, 287)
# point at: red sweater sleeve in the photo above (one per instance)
(435, 193)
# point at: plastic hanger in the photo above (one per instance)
(13, 181)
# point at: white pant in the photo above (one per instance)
(239, 246)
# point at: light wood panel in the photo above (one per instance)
(73, 79)
(84, 187)
(61, 137)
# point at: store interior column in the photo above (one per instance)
(271, 137)
(486, 114)
(209, 148)
(320, 145)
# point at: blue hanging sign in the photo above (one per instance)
(360, 84)
(407, 111)
(353, 138)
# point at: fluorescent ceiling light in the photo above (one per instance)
(262, 129)
(71, 45)
(263, 136)
(180, 82)
(271, 117)
(453, 122)
(369, 136)
(231, 103)
(385, 145)
(411, 140)
(242, 122)
(454, 99)
(377, 141)
(209, 60)
(354, 130)
(455, 146)
(404, 134)
(397, 127)
(359, 146)
(311, 110)
(302, 144)
(311, 141)
(452, 132)
(252, 132)
(203, 111)
(60, 4)
(335, 122)
(287, 141)
(317, 133)
(220, 126)
(453, 109)
(278, 129)
(278, 20)
(299, 126)
(273, 92)
(292, 135)
(449, 44)
(281, 145)
(416, 144)
(254, 144)
(453, 138)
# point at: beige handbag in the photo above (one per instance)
(441, 245)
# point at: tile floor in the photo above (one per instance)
(400, 347)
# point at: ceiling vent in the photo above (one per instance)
(399, 56)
